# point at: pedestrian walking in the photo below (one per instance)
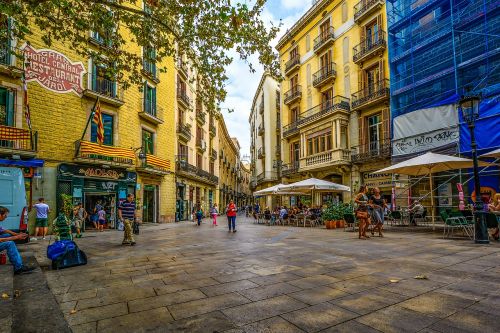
(126, 213)
(79, 216)
(231, 212)
(95, 215)
(213, 213)
(362, 211)
(199, 215)
(377, 203)
(42, 218)
(101, 216)
(7, 238)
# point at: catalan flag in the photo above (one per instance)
(98, 121)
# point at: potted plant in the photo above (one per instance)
(332, 214)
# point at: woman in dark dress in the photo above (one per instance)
(377, 204)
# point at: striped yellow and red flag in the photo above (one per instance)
(98, 121)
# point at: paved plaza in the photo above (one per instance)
(183, 278)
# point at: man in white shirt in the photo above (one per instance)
(42, 216)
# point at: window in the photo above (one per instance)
(149, 99)
(103, 33)
(212, 168)
(294, 82)
(374, 131)
(372, 33)
(6, 107)
(343, 137)
(325, 61)
(294, 114)
(102, 83)
(149, 61)
(182, 116)
(324, 29)
(319, 142)
(294, 52)
(344, 12)
(199, 161)
(345, 49)
(148, 142)
(372, 76)
(107, 121)
(183, 152)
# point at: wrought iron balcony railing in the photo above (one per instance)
(374, 93)
(182, 166)
(213, 154)
(324, 75)
(184, 130)
(261, 153)
(104, 88)
(292, 64)
(293, 94)
(337, 103)
(290, 168)
(290, 129)
(324, 39)
(183, 98)
(371, 151)
(201, 117)
(212, 129)
(369, 46)
(366, 7)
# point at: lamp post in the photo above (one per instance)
(469, 105)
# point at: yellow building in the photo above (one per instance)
(60, 154)
(197, 166)
(230, 174)
(335, 93)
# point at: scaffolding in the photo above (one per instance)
(440, 48)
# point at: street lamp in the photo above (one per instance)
(469, 106)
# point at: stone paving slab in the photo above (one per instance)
(181, 278)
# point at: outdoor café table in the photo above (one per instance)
(300, 217)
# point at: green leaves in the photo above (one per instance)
(202, 30)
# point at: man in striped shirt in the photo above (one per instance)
(126, 213)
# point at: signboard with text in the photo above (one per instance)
(425, 142)
(53, 70)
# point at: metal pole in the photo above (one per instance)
(481, 231)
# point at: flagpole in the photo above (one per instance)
(88, 120)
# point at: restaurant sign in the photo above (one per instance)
(70, 170)
(53, 70)
(377, 179)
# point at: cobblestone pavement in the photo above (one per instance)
(183, 278)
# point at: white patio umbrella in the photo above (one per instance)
(427, 164)
(311, 186)
(267, 191)
(495, 153)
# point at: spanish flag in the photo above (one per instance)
(98, 121)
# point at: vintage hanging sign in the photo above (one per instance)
(53, 70)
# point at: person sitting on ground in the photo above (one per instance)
(7, 238)
(495, 207)
(416, 209)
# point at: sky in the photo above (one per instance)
(242, 84)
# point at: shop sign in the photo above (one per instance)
(68, 170)
(108, 186)
(53, 70)
(377, 179)
(425, 142)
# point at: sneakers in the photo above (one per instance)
(33, 238)
(43, 238)
(24, 270)
(234, 230)
(125, 243)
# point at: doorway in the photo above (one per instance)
(149, 204)
(108, 201)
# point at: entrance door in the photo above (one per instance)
(149, 204)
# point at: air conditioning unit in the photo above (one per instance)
(203, 144)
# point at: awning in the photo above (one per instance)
(34, 163)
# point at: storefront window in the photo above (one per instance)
(108, 130)
(147, 142)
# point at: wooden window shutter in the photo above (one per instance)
(386, 125)
(361, 79)
(379, 22)
(381, 71)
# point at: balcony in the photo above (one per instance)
(326, 159)
(324, 76)
(292, 95)
(372, 151)
(212, 129)
(184, 132)
(149, 70)
(201, 117)
(213, 154)
(151, 112)
(370, 47)
(103, 88)
(7, 61)
(90, 152)
(365, 8)
(292, 64)
(183, 98)
(18, 141)
(201, 145)
(155, 165)
(325, 109)
(261, 130)
(373, 94)
(183, 168)
(261, 153)
(261, 106)
(266, 177)
(182, 69)
(290, 129)
(324, 40)
(289, 169)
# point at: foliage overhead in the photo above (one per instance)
(201, 30)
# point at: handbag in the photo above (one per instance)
(361, 214)
(135, 228)
(121, 226)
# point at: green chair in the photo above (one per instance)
(453, 221)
